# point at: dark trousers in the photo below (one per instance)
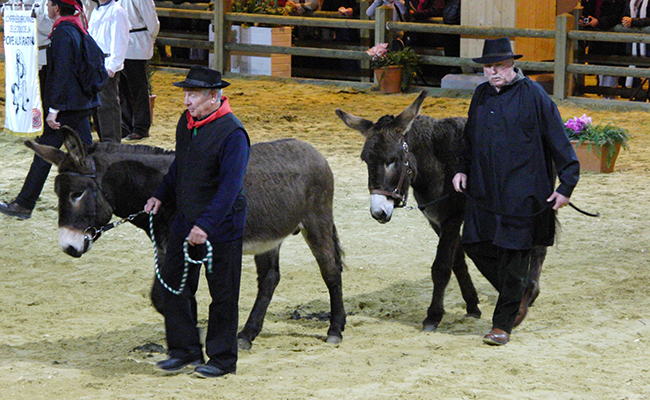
(108, 116)
(134, 98)
(507, 271)
(40, 169)
(180, 310)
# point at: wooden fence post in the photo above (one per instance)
(562, 81)
(221, 55)
(365, 38)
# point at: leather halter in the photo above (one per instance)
(399, 195)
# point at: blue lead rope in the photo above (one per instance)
(207, 260)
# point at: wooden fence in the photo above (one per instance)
(565, 70)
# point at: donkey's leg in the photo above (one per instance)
(449, 256)
(320, 234)
(465, 282)
(268, 277)
(440, 274)
(537, 257)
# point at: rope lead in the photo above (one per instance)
(207, 260)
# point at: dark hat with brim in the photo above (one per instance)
(201, 77)
(495, 50)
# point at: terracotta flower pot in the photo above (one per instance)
(595, 161)
(389, 78)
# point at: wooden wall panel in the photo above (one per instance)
(536, 14)
(514, 13)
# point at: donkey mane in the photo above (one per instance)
(138, 149)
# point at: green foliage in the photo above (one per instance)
(597, 136)
(258, 7)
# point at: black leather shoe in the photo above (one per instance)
(210, 371)
(13, 209)
(174, 364)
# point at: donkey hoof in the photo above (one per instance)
(244, 344)
(429, 327)
(333, 339)
(476, 315)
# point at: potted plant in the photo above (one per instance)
(597, 146)
(394, 70)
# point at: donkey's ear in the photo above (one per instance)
(407, 116)
(357, 123)
(47, 153)
(74, 145)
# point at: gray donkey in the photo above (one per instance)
(421, 152)
(289, 188)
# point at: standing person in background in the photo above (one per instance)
(636, 16)
(44, 28)
(67, 102)
(603, 15)
(514, 138)
(109, 26)
(134, 82)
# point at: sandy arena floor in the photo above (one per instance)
(69, 328)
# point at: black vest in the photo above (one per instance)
(198, 164)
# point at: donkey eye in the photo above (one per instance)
(76, 196)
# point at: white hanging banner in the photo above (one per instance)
(24, 111)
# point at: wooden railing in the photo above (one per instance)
(566, 36)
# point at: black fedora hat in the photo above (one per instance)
(201, 77)
(495, 50)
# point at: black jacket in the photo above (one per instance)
(62, 91)
(513, 138)
(609, 15)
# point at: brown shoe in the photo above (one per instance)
(13, 209)
(496, 337)
(136, 136)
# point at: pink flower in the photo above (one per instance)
(378, 51)
(578, 124)
(585, 120)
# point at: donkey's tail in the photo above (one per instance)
(339, 254)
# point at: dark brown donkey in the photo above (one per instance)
(289, 187)
(421, 152)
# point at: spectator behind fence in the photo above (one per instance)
(109, 26)
(134, 82)
(636, 16)
(399, 8)
(350, 9)
(603, 15)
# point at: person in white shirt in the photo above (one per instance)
(109, 26)
(134, 88)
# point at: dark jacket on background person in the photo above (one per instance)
(62, 91)
(513, 138)
(206, 196)
(609, 14)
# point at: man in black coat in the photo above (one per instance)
(206, 181)
(514, 135)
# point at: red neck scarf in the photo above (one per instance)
(70, 18)
(220, 112)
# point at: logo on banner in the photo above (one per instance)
(37, 118)
(19, 87)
